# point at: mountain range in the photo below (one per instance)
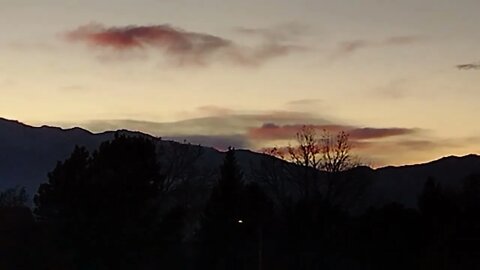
(28, 153)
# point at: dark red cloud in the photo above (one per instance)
(270, 131)
(373, 133)
(172, 39)
(189, 47)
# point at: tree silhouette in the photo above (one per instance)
(470, 204)
(439, 216)
(318, 152)
(103, 206)
(178, 164)
(17, 230)
(432, 201)
(13, 197)
(327, 152)
(389, 237)
(222, 230)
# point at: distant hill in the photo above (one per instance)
(28, 153)
(404, 183)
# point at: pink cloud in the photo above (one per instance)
(164, 36)
(186, 46)
(270, 131)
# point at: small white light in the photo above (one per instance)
(240, 221)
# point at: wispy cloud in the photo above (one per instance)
(307, 102)
(214, 110)
(24, 46)
(377, 133)
(280, 33)
(349, 47)
(262, 130)
(185, 47)
(272, 131)
(172, 39)
(395, 88)
(475, 65)
(216, 123)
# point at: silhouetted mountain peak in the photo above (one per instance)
(11, 123)
(441, 161)
(453, 158)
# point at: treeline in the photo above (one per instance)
(132, 204)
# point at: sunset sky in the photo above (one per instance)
(250, 73)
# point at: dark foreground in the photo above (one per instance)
(123, 208)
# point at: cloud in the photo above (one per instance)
(283, 32)
(401, 40)
(172, 39)
(312, 105)
(216, 123)
(276, 41)
(262, 130)
(214, 110)
(261, 127)
(469, 66)
(185, 47)
(307, 102)
(271, 131)
(418, 145)
(395, 89)
(25, 46)
(377, 133)
(351, 46)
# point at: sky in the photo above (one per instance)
(249, 73)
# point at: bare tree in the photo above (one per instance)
(309, 149)
(277, 175)
(336, 153)
(178, 164)
(322, 158)
(327, 152)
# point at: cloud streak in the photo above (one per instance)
(304, 102)
(352, 46)
(186, 47)
(377, 133)
(282, 32)
(272, 131)
(262, 131)
(469, 66)
(167, 37)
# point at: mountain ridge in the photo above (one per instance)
(28, 153)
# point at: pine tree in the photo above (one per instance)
(102, 206)
(222, 225)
